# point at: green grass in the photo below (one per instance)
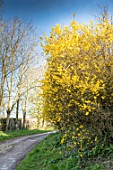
(15, 134)
(50, 155)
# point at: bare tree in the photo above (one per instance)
(18, 46)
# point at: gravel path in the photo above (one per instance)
(14, 150)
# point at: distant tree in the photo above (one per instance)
(18, 49)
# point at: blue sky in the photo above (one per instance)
(47, 13)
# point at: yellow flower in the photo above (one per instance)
(73, 137)
(62, 141)
(81, 126)
(79, 134)
(87, 113)
(80, 155)
(95, 138)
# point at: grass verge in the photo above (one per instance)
(14, 134)
(50, 155)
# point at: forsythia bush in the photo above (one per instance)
(78, 84)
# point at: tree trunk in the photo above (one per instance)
(1, 92)
(24, 114)
(24, 119)
(7, 120)
(0, 101)
(17, 110)
(43, 122)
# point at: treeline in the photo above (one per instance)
(19, 69)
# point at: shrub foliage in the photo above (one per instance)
(78, 84)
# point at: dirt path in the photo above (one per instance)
(14, 150)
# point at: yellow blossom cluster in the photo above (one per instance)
(78, 83)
